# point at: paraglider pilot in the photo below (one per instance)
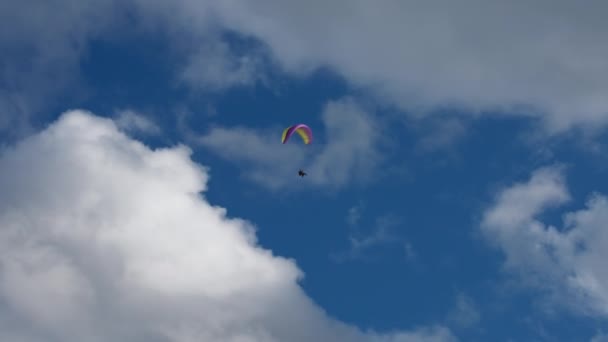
(304, 132)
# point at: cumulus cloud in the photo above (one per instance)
(103, 239)
(567, 263)
(515, 57)
(350, 153)
(545, 58)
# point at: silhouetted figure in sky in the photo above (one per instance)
(301, 173)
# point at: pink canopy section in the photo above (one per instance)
(303, 130)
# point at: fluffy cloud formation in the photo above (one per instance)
(350, 152)
(568, 263)
(546, 58)
(103, 239)
(41, 51)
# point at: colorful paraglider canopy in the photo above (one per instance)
(303, 131)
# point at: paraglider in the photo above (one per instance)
(304, 132)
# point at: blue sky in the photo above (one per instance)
(455, 192)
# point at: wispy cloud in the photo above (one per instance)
(410, 253)
(134, 122)
(366, 244)
(354, 214)
(465, 313)
(440, 133)
(435, 54)
(350, 152)
(599, 337)
(561, 81)
(40, 55)
(215, 67)
(566, 263)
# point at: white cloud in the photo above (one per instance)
(133, 122)
(410, 253)
(465, 313)
(569, 262)
(103, 239)
(216, 67)
(599, 337)
(478, 55)
(363, 242)
(350, 153)
(360, 245)
(40, 54)
(354, 214)
(440, 133)
(422, 55)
